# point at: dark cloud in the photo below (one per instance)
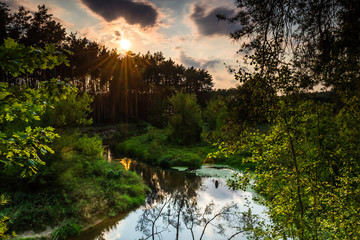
(208, 24)
(189, 61)
(210, 64)
(133, 12)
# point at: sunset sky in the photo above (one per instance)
(187, 31)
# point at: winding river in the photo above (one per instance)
(182, 205)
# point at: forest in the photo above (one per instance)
(291, 126)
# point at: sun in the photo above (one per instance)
(125, 44)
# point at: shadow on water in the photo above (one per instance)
(181, 205)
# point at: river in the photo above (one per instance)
(182, 205)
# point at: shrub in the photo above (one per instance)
(70, 111)
(216, 114)
(184, 124)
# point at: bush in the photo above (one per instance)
(184, 125)
(216, 114)
(70, 111)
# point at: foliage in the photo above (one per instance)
(18, 59)
(298, 44)
(307, 168)
(22, 140)
(68, 229)
(184, 123)
(307, 164)
(3, 219)
(76, 183)
(215, 115)
(72, 111)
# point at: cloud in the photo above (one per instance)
(189, 61)
(197, 63)
(15, 4)
(221, 76)
(208, 24)
(210, 64)
(142, 13)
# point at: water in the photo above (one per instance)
(182, 205)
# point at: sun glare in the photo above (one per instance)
(125, 44)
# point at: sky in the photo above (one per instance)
(187, 31)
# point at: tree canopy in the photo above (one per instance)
(309, 42)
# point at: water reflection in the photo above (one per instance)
(181, 205)
(107, 153)
(208, 161)
(177, 214)
(126, 162)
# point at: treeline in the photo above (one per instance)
(124, 86)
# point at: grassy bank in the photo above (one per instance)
(154, 148)
(76, 187)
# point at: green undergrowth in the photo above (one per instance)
(111, 134)
(236, 161)
(154, 148)
(76, 187)
(239, 160)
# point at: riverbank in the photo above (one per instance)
(153, 147)
(77, 187)
(181, 203)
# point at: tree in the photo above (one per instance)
(317, 41)
(216, 117)
(307, 168)
(19, 25)
(307, 164)
(4, 20)
(184, 123)
(44, 30)
(22, 140)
